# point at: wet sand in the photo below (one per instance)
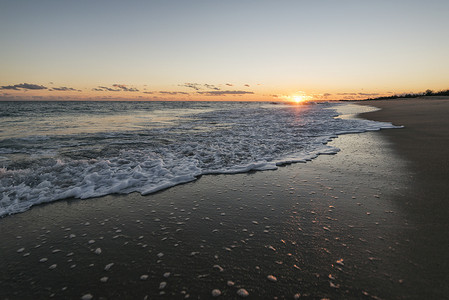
(423, 144)
(348, 226)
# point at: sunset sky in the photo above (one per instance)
(221, 50)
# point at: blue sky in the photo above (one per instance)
(262, 48)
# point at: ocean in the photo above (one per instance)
(58, 150)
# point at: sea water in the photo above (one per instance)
(57, 150)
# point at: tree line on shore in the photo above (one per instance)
(413, 95)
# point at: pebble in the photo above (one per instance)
(160, 254)
(162, 285)
(104, 279)
(296, 296)
(216, 292)
(87, 297)
(144, 277)
(20, 250)
(272, 278)
(242, 293)
(97, 251)
(166, 274)
(108, 266)
(91, 241)
(44, 259)
(230, 283)
(53, 266)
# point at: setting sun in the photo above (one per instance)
(298, 99)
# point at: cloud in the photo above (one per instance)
(125, 88)
(25, 86)
(195, 86)
(105, 88)
(229, 84)
(212, 87)
(347, 94)
(224, 93)
(115, 88)
(65, 89)
(247, 85)
(173, 93)
(327, 94)
(369, 94)
(148, 92)
(199, 86)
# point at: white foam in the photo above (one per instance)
(237, 139)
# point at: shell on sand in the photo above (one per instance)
(87, 297)
(108, 266)
(216, 292)
(242, 293)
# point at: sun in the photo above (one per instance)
(298, 99)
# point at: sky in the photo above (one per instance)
(221, 50)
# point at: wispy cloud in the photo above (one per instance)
(369, 94)
(212, 87)
(24, 86)
(105, 88)
(195, 86)
(125, 88)
(200, 86)
(224, 93)
(229, 84)
(173, 93)
(115, 88)
(347, 94)
(64, 89)
(247, 85)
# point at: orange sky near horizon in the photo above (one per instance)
(217, 51)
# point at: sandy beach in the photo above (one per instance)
(367, 223)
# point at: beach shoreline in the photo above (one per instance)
(350, 225)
